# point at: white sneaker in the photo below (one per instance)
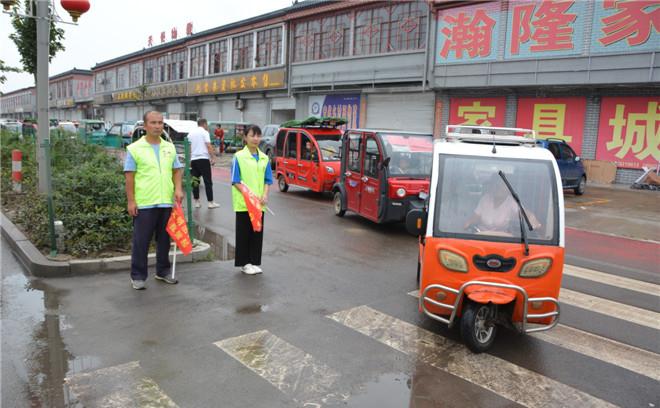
(249, 269)
(213, 204)
(257, 269)
(197, 204)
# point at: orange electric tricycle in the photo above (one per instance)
(491, 234)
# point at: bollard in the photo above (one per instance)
(59, 236)
(16, 171)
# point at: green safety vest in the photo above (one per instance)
(253, 173)
(153, 182)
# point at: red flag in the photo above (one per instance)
(178, 230)
(253, 204)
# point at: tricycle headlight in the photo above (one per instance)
(452, 261)
(400, 192)
(330, 170)
(535, 268)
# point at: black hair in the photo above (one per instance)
(144, 117)
(202, 121)
(254, 128)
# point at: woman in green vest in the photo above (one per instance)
(251, 167)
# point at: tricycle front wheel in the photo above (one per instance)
(478, 327)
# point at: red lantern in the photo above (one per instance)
(75, 7)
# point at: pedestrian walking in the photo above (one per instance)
(153, 180)
(219, 134)
(250, 167)
(201, 160)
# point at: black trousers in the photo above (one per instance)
(150, 222)
(248, 242)
(202, 167)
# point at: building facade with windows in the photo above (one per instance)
(19, 104)
(70, 95)
(584, 72)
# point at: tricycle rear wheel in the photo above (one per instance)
(281, 184)
(339, 211)
(478, 327)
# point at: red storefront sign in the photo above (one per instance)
(477, 111)
(558, 118)
(629, 131)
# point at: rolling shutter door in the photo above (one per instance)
(255, 112)
(406, 111)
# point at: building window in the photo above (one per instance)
(122, 77)
(100, 82)
(135, 75)
(218, 57)
(396, 27)
(324, 38)
(197, 61)
(161, 69)
(149, 66)
(70, 88)
(241, 52)
(176, 65)
(269, 47)
(110, 80)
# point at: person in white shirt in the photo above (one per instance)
(201, 160)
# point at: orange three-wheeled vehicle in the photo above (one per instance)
(491, 234)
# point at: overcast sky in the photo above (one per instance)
(112, 28)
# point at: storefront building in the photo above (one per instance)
(70, 95)
(18, 105)
(573, 70)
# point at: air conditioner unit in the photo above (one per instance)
(239, 104)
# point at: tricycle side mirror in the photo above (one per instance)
(416, 222)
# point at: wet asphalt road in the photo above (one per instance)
(329, 323)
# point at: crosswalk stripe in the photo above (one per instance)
(610, 351)
(623, 355)
(294, 372)
(612, 280)
(508, 380)
(618, 310)
(122, 385)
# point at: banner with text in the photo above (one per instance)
(340, 106)
(629, 131)
(477, 111)
(558, 118)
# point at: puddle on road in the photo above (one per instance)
(33, 346)
(250, 309)
(388, 390)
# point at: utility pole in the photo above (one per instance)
(43, 136)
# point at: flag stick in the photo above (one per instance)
(174, 262)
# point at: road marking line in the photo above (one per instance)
(508, 380)
(601, 348)
(606, 307)
(612, 280)
(631, 358)
(294, 372)
(122, 385)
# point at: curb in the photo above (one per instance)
(38, 265)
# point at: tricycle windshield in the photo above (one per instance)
(410, 155)
(473, 201)
(329, 146)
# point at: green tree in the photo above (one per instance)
(25, 38)
(6, 68)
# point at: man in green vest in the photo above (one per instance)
(153, 180)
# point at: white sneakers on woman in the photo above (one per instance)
(250, 269)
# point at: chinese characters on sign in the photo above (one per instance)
(625, 26)
(173, 34)
(468, 33)
(251, 81)
(557, 118)
(629, 131)
(545, 28)
(153, 92)
(478, 111)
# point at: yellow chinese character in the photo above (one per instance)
(243, 82)
(253, 81)
(265, 79)
(215, 86)
(185, 242)
(223, 85)
(232, 84)
(476, 114)
(549, 121)
(642, 133)
(198, 88)
(206, 87)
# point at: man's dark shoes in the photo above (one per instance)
(167, 279)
